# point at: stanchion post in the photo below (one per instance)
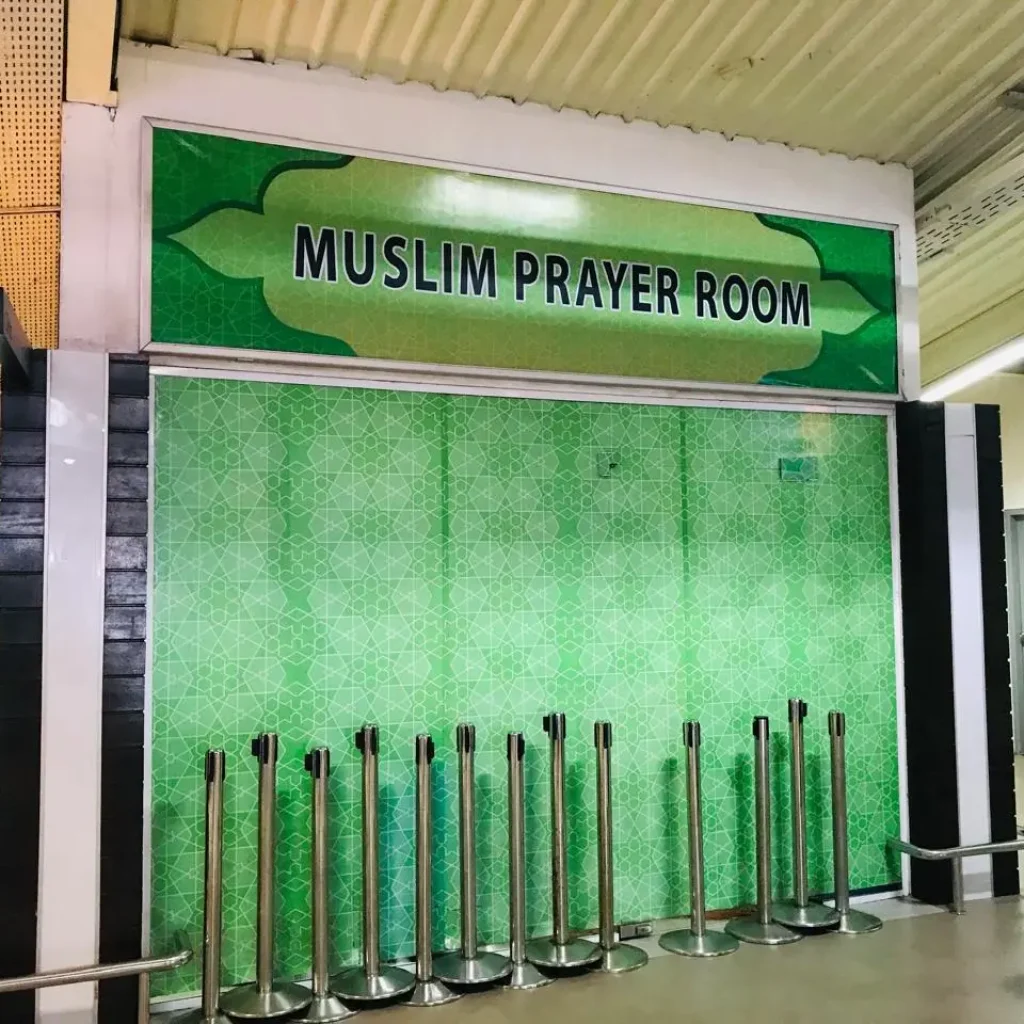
(468, 965)
(616, 957)
(560, 951)
(799, 912)
(325, 1007)
(371, 981)
(265, 999)
(554, 726)
(524, 974)
(759, 928)
(958, 906)
(209, 1011)
(465, 741)
(851, 922)
(429, 990)
(696, 940)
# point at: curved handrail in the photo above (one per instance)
(102, 972)
(957, 852)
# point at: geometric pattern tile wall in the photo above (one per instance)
(327, 556)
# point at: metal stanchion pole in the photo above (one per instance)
(799, 912)
(429, 990)
(524, 974)
(326, 1006)
(265, 998)
(957, 866)
(209, 1010)
(469, 965)
(696, 940)
(760, 928)
(372, 981)
(559, 950)
(851, 922)
(616, 957)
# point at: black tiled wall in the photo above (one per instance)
(927, 644)
(124, 668)
(996, 627)
(22, 495)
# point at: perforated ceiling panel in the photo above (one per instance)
(942, 232)
(31, 69)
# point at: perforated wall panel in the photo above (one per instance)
(31, 73)
(29, 263)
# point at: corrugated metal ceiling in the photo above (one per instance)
(894, 80)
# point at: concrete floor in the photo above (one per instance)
(925, 966)
(927, 969)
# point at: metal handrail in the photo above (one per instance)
(102, 972)
(956, 854)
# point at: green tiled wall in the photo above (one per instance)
(328, 556)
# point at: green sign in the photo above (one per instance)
(267, 247)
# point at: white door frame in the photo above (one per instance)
(1014, 525)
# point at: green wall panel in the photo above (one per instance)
(328, 556)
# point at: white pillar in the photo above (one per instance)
(969, 697)
(72, 691)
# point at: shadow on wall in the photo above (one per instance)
(673, 836)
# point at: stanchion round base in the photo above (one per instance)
(814, 917)
(856, 922)
(482, 969)
(359, 987)
(525, 977)
(622, 958)
(432, 993)
(750, 929)
(196, 1016)
(559, 956)
(282, 999)
(324, 1010)
(688, 943)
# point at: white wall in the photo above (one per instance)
(102, 244)
(1007, 391)
(967, 616)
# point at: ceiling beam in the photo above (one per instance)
(973, 338)
(91, 49)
